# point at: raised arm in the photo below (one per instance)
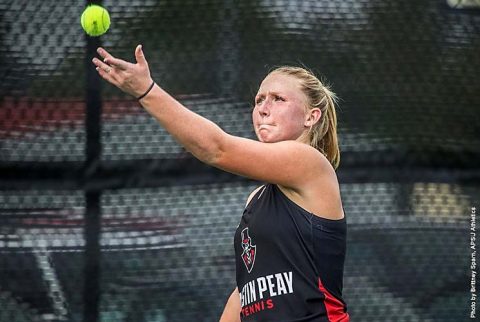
(288, 163)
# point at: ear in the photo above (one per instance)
(312, 117)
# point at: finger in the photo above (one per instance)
(102, 52)
(117, 63)
(107, 76)
(105, 67)
(139, 56)
(109, 59)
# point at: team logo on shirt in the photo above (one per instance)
(249, 250)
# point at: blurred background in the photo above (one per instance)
(103, 217)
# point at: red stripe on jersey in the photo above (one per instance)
(335, 308)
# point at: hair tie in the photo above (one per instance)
(148, 91)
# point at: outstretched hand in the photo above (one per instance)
(133, 79)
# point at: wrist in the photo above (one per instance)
(149, 89)
(155, 96)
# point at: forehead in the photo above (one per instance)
(281, 83)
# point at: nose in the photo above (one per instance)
(264, 108)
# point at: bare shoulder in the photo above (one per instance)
(321, 194)
(253, 194)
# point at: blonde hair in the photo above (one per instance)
(323, 134)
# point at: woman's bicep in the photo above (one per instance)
(288, 163)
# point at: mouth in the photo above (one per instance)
(264, 126)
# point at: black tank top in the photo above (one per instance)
(289, 262)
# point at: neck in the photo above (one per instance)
(304, 138)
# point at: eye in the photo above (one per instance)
(259, 100)
(279, 98)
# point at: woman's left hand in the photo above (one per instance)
(133, 79)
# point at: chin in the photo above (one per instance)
(268, 140)
(267, 137)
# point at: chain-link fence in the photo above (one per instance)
(103, 217)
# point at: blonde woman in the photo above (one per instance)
(290, 244)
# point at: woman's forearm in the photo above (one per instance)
(197, 134)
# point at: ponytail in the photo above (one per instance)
(323, 134)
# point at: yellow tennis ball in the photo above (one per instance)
(95, 20)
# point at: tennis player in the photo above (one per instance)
(290, 244)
